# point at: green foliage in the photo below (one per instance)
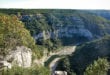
(44, 21)
(86, 53)
(37, 21)
(66, 64)
(95, 22)
(13, 33)
(35, 24)
(99, 67)
(73, 73)
(48, 44)
(26, 71)
(50, 60)
(34, 11)
(38, 52)
(52, 44)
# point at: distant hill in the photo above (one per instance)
(103, 13)
(53, 27)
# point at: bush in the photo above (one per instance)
(51, 59)
(13, 33)
(99, 67)
(27, 71)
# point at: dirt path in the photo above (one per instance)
(67, 51)
(54, 63)
(64, 51)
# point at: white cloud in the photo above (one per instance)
(61, 4)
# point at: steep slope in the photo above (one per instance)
(55, 28)
(87, 53)
(15, 42)
(103, 13)
(66, 27)
(69, 28)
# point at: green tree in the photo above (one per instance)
(27, 71)
(99, 67)
(13, 33)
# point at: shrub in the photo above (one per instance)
(99, 67)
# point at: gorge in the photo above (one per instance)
(30, 39)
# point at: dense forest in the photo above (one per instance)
(86, 54)
(12, 34)
(53, 29)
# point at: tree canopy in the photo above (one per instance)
(13, 33)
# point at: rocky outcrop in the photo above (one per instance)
(21, 56)
(4, 64)
(65, 32)
(68, 27)
(60, 73)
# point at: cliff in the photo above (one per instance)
(21, 56)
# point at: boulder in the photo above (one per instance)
(21, 56)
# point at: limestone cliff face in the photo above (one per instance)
(76, 26)
(65, 32)
(21, 56)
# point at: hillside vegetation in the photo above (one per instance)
(87, 53)
(13, 34)
(53, 29)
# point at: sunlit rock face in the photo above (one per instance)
(76, 28)
(5, 64)
(21, 56)
(66, 32)
(79, 28)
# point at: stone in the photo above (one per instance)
(22, 57)
(60, 73)
(5, 64)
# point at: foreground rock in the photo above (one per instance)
(21, 56)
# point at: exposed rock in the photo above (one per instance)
(5, 64)
(21, 56)
(60, 73)
(79, 26)
(65, 32)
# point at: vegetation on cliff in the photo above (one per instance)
(87, 53)
(51, 29)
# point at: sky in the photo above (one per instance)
(56, 4)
